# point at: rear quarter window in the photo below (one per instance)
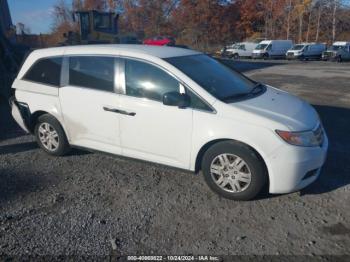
(45, 71)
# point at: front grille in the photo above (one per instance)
(290, 54)
(328, 54)
(319, 134)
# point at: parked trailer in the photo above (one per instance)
(339, 51)
(306, 51)
(272, 49)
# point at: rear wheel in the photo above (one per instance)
(50, 136)
(233, 170)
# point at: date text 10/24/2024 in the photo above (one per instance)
(173, 258)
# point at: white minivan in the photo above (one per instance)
(172, 106)
(244, 49)
(272, 49)
(306, 51)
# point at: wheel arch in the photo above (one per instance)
(35, 116)
(206, 146)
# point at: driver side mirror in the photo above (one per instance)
(176, 99)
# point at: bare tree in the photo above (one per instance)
(334, 18)
(289, 8)
(318, 23)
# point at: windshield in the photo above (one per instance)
(231, 46)
(336, 47)
(298, 47)
(261, 46)
(220, 81)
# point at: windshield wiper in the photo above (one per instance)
(228, 98)
(256, 90)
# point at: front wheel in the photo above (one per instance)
(234, 171)
(236, 56)
(50, 136)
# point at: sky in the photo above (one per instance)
(35, 14)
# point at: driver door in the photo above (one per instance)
(150, 130)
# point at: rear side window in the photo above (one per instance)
(92, 72)
(45, 71)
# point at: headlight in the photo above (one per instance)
(307, 138)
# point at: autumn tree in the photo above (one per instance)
(204, 24)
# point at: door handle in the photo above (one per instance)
(119, 111)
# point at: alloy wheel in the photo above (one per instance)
(48, 136)
(231, 173)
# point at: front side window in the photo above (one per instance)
(197, 103)
(242, 47)
(45, 71)
(217, 79)
(92, 72)
(148, 81)
(102, 22)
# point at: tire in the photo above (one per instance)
(266, 56)
(339, 59)
(50, 136)
(234, 151)
(236, 56)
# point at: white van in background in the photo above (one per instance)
(339, 51)
(243, 49)
(306, 51)
(272, 49)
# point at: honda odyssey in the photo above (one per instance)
(172, 106)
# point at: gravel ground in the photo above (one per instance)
(93, 204)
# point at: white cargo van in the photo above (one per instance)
(244, 49)
(272, 49)
(339, 51)
(305, 51)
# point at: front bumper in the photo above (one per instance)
(292, 168)
(291, 55)
(258, 55)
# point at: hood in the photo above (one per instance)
(295, 51)
(281, 108)
(256, 51)
(233, 49)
